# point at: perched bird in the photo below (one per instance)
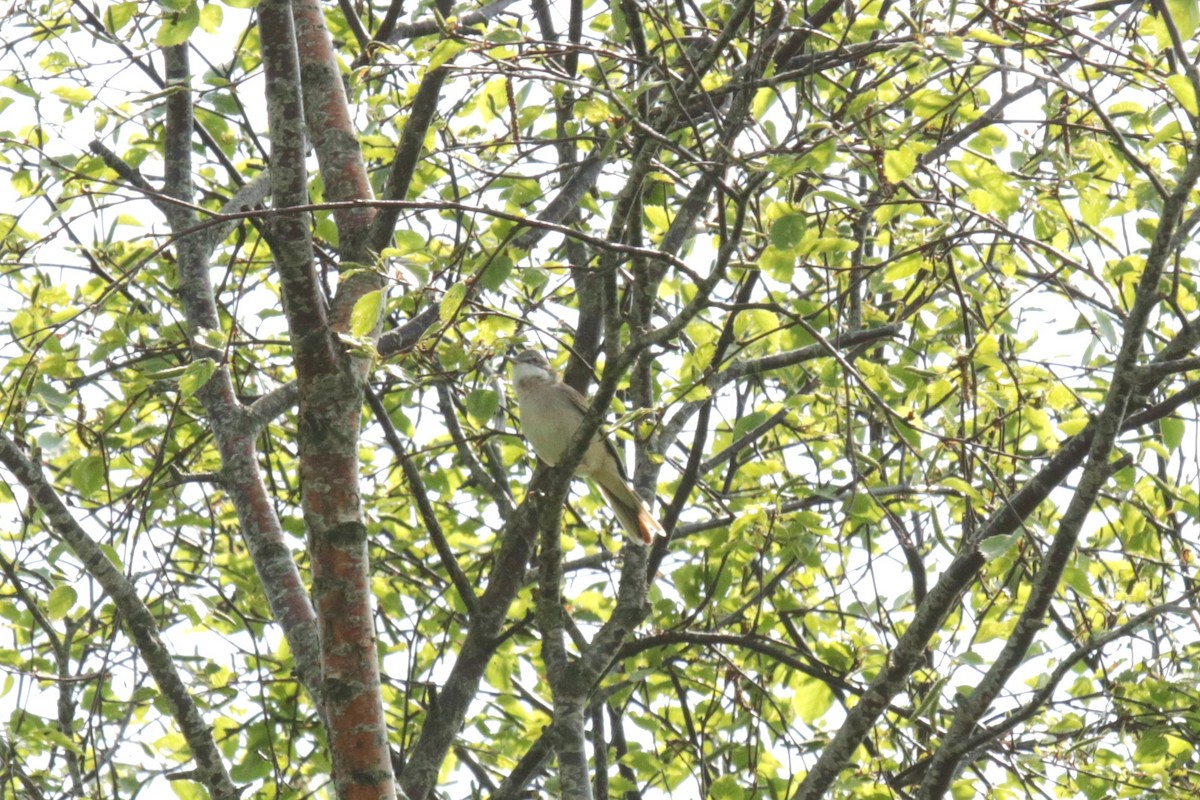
(550, 414)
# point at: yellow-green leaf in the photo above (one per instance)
(452, 300)
(726, 787)
(62, 599)
(811, 700)
(1184, 92)
(788, 230)
(74, 94)
(1186, 16)
(366, 314)
(962, 487)
(902, 269)
(178, 27)
(1172, 432)
(196, 375)
(117, 16)
(986, 36)
(899, 163)
(444, 51)
(211, 17)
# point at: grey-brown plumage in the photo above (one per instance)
(550, 414)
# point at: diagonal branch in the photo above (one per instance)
(1094, 443)
(506, 579)
(1096, 473)
(985, 738)
(424, 507)
(408, 149)
(139, 621)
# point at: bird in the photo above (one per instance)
(550, 414)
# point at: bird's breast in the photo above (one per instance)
(546, 425)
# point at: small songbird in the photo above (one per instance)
(550, 414)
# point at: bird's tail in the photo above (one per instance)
(639, 524)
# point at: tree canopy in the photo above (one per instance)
(892, 306)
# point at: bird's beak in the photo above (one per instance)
(510, 356)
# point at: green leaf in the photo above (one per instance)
(196, 375)
(1152, 747)
(726, 787)
(748, 422)
(833, 244)
(445, 50)
(20, 87)
(1173, 430)
(357, 347)
(61, 601)
(1094, 787)
(899, 163)
(996, 546)
(88, 475)
(407, 241)
(252, 768)
(452, 301)
(368, 310)
(496, 273)
(951, 46)
(1184, 92)
(60, 739)
(208, 337)
(23, 182)
(178, 27)
(779, 264)
(788, 231)
(117, 16)
(1147, 227)
(481, 406)
(1077, 578)
(54, 399)
(1170, 130)
(1092, 205)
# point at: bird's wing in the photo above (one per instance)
(580, 402)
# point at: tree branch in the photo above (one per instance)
(302, 301)
(408, 149)
(333, 134)
(427, 27)
(139, 622)
(1096, 472)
